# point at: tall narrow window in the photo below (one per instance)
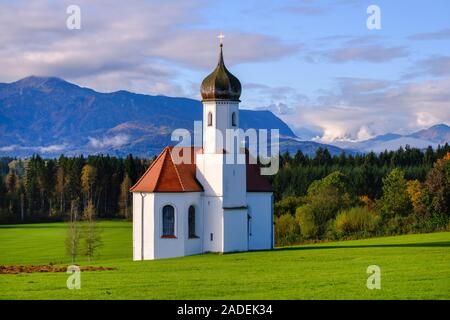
(168, 221)
(191, 222)
(233, 119)
(209, 119)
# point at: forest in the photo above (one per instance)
(316, 198)
(348, 197)
(37, 189)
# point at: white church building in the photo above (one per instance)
(205, 204)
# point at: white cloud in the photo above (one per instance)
(109, 142)
(368, 53)
(52, 148)
(134, 45)
(10, 148)
(443, 34)
(41, 149)
(354, 113)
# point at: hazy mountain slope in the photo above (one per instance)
(51, 116)
(439, 133)
(433, 136)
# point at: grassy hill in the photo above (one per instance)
(412, 267)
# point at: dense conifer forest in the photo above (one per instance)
(320, 197)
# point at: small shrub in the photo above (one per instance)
(286, 230)
(306, 220)
(356, 220)
(401, 225)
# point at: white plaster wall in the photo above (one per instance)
(260, 209)
(156, 247)
(235, 233)
(145, 239)
(168, 248)
(137, 255)
(234, 185)
(221, 111)
(221, 179)
(210, 173)
(213, 217)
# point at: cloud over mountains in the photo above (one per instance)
(121, 45)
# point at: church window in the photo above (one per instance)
(168, 221)
(233, 119)
(191, 222)
(209, 119)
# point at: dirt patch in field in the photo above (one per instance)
(46, 268)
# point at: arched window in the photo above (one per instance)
(233, 119)
(191, 222)
(168, 216)
(209, 119)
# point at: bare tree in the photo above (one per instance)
(73, 232)
(92, 237)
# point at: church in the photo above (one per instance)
(204, 204)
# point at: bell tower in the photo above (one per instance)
(223, 177)
(220, 96)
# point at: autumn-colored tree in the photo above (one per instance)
(88, 179)
(367, 202)
(124, 199)
(11, 181)
(416, 195)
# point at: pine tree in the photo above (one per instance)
(12, 183)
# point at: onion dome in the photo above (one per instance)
(221, 84)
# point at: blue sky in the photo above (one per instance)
(315, 64)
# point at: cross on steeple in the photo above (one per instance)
(220, 37)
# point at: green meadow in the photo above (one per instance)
(412, 267)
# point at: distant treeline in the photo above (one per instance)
(346, 197)
(364, 171)
(38, 189)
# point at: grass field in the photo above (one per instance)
(412, 267)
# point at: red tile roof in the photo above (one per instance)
(167, 175)
(164, 175)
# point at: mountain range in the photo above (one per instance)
(50, 116)
(436, 135)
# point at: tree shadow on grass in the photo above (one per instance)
(441, 244)
(31, 226)
(63, 225)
